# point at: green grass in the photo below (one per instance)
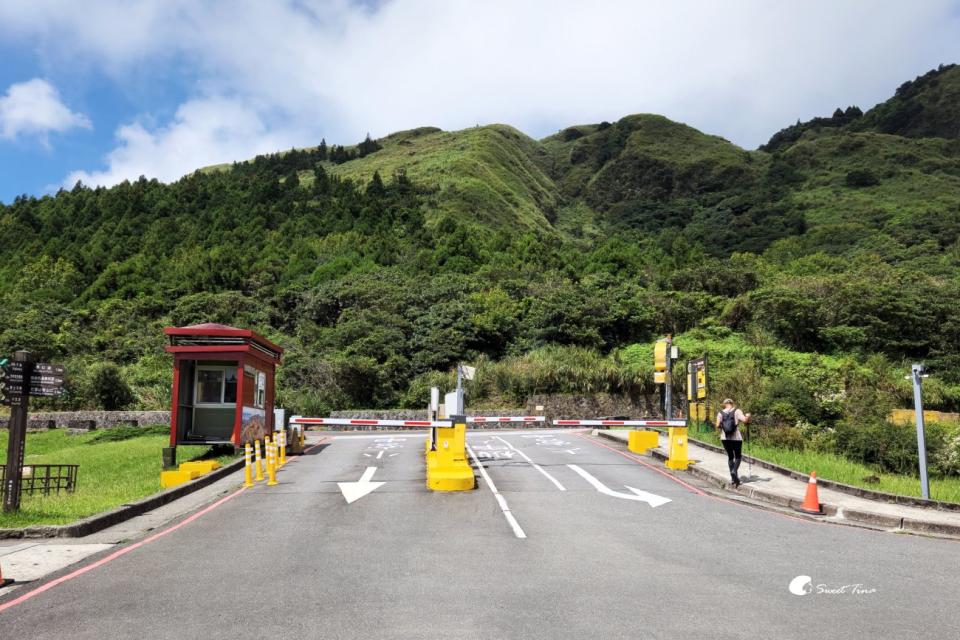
(839, 469)
(116, 466)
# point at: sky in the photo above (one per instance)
(107, 90)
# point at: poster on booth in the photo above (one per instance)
(253, 417)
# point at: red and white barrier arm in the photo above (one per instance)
(620, 423)
(485, 419)
(361, 422)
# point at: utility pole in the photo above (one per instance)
(22, 365)
(917, 375)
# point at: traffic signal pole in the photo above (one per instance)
(668, 385)
(17, 435)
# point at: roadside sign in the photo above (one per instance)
(47, 369)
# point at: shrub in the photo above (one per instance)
(891, 447)
(861, 178)
(783, 437)
(108, 389)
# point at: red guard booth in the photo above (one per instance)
(223, 386)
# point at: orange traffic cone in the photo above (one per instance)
(811, 502)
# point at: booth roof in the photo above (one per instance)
(216, 329)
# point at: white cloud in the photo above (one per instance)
(34, 108)
(334, 68)
(203, 132)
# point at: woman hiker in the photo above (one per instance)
(729, 420)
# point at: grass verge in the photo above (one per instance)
(117, 466)
(839, 469)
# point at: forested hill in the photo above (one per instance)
(826, 257)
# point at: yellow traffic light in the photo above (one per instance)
(660, 356)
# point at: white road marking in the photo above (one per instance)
(504, 507)
(380, 455)
(651, 499)
(533, 464)
(353, 491)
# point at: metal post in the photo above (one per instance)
(917, 374)
(459, 408)
(17, 435)
(668, 387)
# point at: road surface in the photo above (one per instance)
(580, 540)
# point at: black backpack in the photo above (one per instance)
(728, 422)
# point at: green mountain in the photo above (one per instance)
(380, 265)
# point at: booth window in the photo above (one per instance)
(216, 385)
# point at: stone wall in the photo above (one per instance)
(558, 407)
(96, 419)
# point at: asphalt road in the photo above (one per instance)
(586, 557)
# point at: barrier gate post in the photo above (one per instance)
(447, 465)
(677, 448)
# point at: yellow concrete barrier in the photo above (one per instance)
(203, 466)
(447, 467)
(677, 449)
(177, 477)
(640, 440)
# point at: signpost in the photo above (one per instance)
(697, 389)
(21, 379)
(917, 375)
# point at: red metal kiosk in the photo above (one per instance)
(223, 386)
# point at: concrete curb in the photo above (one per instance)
(853, 515)
(101, 521)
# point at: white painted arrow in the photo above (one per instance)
(651, 499)
(353, 491)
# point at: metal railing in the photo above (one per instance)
(45, 478)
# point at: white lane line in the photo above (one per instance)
(380, 455)
(534, 464)
(504, 507)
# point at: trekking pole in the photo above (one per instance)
(749, 450)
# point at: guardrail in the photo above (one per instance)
(45, 478)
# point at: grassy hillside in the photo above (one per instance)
(486, 175)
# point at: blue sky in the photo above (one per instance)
(106, 90)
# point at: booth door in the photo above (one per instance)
(215, 403)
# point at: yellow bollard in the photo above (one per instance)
(258, 460)
(247, 474)
(303, 439)
(271, 464)
(281, 448)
